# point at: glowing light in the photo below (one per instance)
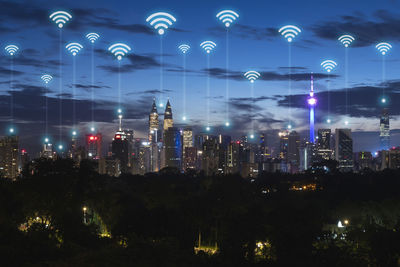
(161, 105)
(289, 32)
(73, 133)
(92, 37)
(92, 129)
(383, 48)
(46, 78)
(252, 75)
(251, 136)
(346, 39)
(328, 65)
(46, 140)
(11, 49)
(74, 48)
(60, 18)
(60, 147)
(90, 154)
(227, 17)
(208, 46)
(312, 101)
(119, 111)
(227, 124)
(346, 122)
(208, 128)
(161, 21)
(117, 136)
(11, 130)
(346, 222)
(120, 116)
(289, 126)
(184, 48)
(184, 118)
(383, 100)
(119, 50)
(328, 120)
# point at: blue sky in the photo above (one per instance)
(253, 44)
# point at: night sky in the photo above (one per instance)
(254, 44)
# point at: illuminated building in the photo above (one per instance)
(173, 147)
(25, 159)
(121, 147)
(293, 157)
(153, 123)
(283, 144)
(263, 151)
(312, 101)
(213, 157)
(390, 158)
(168, 121)
(93, 146)
(344, 149)
(47, 151)
(307, 154)
(187, 141)
(384, 127)
(9, 158)
(324, 151)
(364, 160)
(233, 157)
(191, 158)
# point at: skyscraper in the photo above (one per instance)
(93, 145)
(153, 123)
(312, 101)
(293, 156)
(121, 148)
(344, 149)
(283, 144)
(324, 151)
(168, 121)
(173, 147)
(187, 140)
(9, 159)
(384, 136)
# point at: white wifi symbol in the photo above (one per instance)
(161, 21)
(208, 46)
(184, 48)
(60, 18)
(329, 65)
(92, 37)
(74, 48)
(46, 78)
(119, 50)
(383, 48)
(11, 49)
(346, 39)
(252, 75)
(227, 17)
(289, 32)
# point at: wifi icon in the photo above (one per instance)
(208, 46)
(184, 48)
(252, 75)
(161, 21)
(227, 17)
(346, 40)
(74, 48)
(11, 49)
(289, 32)
(60, 18)
(119, 50)
(92, 37)
(328, 65)
(46, 78)
(383, 48)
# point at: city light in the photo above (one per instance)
(11, 130)
(227, 124)
(312, 101)
(92, 129)
(383, 100)
(328, 120)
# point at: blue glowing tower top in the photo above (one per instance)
(312, 101)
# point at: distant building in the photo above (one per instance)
(307, 155)
(233, 157)
(293, 156)
(283, 144)
(168, 120)
(9, 158)
(191, 158)
(187, 142)
(121, 148)
(173, 147)
(93, 146)
(324, 151)
(391, 158)
(153, 123)
(364, 160)
(384, 127)
(344, 149)
(210, 156)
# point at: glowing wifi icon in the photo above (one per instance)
(252, 75)
(161, 21)
(346, 40)
(74, 48)
(46, 78)
(60, 18)
(383, 48)
(227, 17)
(119, 50)
(184, 48)
(11, 49)
(92, 37)
(208, 46)
(328, 65)
(289, 32)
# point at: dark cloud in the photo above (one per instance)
(247, 32)
(137, 62)
(385, 26)
(88, 87)
(6, 71)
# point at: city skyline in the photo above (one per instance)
(140, 69)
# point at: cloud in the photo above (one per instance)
(137, 62)
(383, 26)
(248, 32)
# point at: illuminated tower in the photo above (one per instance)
(384, 136)
(153, 123)
(168, 121)
(9, 160)
(312, 101)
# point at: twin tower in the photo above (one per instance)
(154, 122)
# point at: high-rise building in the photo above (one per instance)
(168, 121)
(384, 127)
(324, 151)
(283, 144)
(344, 149)
(121, 148)
(312, 101)
(173, 147)
(47, 151)
(93, 146)
(210, 156)
(187, 140)
(191, 160)
(9, 158)
(153, 123)
(293, 156)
